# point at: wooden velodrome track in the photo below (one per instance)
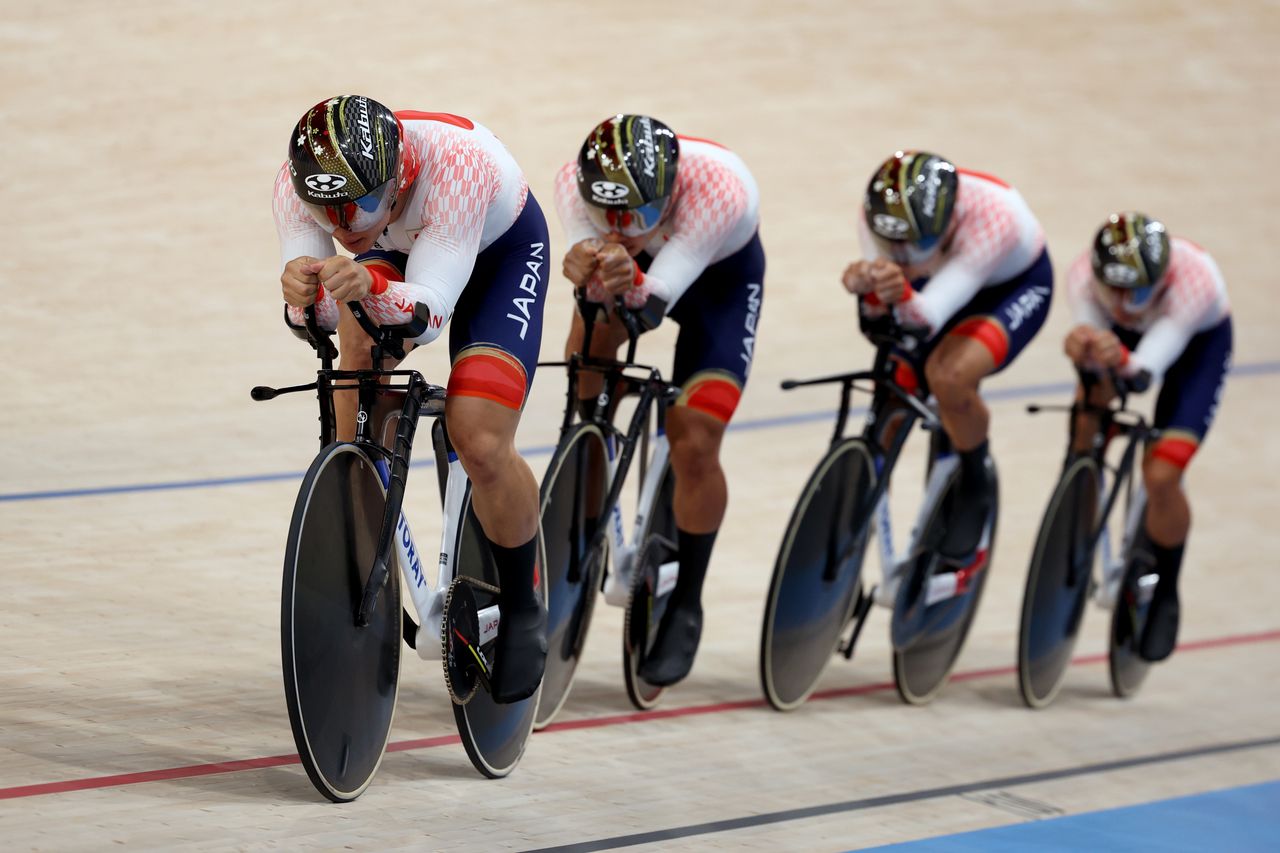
(140, 696)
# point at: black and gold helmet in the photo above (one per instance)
(344, 161)
(910, 199)
(1131, 252)
(626, 172)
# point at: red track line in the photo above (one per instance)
(195, 770)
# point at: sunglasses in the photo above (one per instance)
(360, 215)
(629, 222)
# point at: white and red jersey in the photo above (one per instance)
(468, 192)
(1191, 298)
(995, 236)
(714, 211)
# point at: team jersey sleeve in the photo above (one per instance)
(1159, 348)
(984, 237)
(709, 206)
(570, 207)
(1082, 297)
(1195, 301)
(301, 237)
(464, 182)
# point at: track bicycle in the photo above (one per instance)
(341, 618)
(818, 601)
(1075, 528)
(582, 520)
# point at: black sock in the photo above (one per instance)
(515, 574)
(1168, 560)
(695, 556)
(973, 464)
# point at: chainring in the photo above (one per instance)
(465, 666)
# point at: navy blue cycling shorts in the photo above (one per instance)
(1003, 317)
(718, 316)
(1190, 391)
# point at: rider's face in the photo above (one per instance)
(356, 242)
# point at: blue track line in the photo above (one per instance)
(1020, 392)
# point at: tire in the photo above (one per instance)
(493, 734)
(340, 681)
(573, 490)
(659, 529)
(921, 670)
(1058, 583)
(1128, 620)
(816, 575)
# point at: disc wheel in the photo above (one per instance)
(1128, 621)
(493, 734)
(573, 495)
(340, 680)
(922, 666)
(644, 611)
(1058, 583)
(815, 579)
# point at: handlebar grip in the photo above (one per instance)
(1138, 383)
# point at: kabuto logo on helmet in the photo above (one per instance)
(607, 191)
(890, 226)
(366, 133)
(645, 147)
(1119, 275)
(323, 183)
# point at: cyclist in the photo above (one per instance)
(668, 225)
(1150, 307)
(443, 228)
(960, 255)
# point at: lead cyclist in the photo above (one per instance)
(444, 231)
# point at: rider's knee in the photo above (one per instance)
(1162, 477)
(483, 450)
(695, 445)
(954, 386)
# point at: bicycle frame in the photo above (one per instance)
(885, 388)
(421, 399)
(651, 391)
(1113, 422)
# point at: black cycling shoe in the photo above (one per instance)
(521, 654)
(674, 647)
(1160, 636)
(966, 515)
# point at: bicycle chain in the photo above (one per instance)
(475, 583)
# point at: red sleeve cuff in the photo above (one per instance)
(638, 278)
(1124, 356)
(379, 285)
(874, 301)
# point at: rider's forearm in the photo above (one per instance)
(392, 302)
